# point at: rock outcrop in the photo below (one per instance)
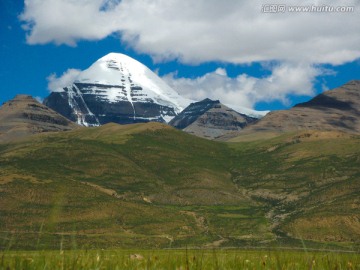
(333, 110)
(24, 116)
(210, 119)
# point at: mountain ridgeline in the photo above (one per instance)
(119, 89)
(333, 110)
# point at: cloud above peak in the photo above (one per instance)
(203, 30)
(57, 83)
(244, 90)
(66, 21)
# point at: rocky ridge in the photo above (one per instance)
(24, 116)
(210, 119)
(333, 110)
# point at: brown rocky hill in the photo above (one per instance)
(24, 116)
(333, 110)
(210, 119)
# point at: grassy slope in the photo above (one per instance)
(147, 185)
(311, 180)
(150, 185)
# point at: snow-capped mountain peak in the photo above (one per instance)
(117, 88)
(120, 69)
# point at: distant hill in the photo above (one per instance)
(333, 110)
(150, 185)
(210, 119)
(24, 116)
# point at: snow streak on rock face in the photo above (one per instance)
(119, 89)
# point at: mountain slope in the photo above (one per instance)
(119, 89)
(142, 185)
(210, 119)
(23, 116)
(150, 185)
(333, 110)
(310, 180)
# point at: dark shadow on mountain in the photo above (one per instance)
(326, 101)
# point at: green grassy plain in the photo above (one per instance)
(177, 259)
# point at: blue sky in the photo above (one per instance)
(228, 50)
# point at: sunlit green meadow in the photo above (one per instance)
(178, 259)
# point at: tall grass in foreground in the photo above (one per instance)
(176, 259)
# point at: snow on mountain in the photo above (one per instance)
(119, 69)
(131, 91)
(117, 88)
(247, 111)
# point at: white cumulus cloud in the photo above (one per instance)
(246, 91)
(202, 30)
(195, 32)
(55, 83)
(66, 21)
